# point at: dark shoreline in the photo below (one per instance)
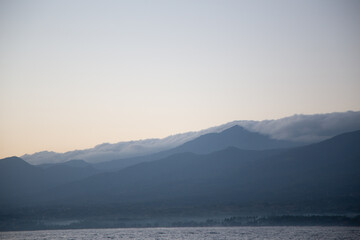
(235, 221)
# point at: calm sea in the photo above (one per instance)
(217, 233)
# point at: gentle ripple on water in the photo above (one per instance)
(218, 233)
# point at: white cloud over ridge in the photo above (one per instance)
(298, 128)
(307, 128)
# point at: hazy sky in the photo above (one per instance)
(74, 74)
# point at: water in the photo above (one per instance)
(218, 233)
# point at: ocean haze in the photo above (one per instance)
(298, 128)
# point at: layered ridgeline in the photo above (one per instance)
(326, 172)
(235, 136)
(19, 178)
(302, 129)
(229, 173)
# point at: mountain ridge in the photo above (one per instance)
(321, 178)
(299, 128)
(235, 136)
(229, 175)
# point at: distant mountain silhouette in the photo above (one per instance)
(18, 178)
(320, 178)
(235, 136)
(297, 128)
(323, 172)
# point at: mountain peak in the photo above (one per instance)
(235, 136)
(235, 128)
(16, 161)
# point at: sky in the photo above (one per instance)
(74, 74)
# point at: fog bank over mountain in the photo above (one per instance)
(108, 151)
(297, 128)
(306, 128)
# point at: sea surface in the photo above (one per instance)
(218, 233)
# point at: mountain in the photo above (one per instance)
(19, 179)
(321, 179)
(325, 176)
(106, 151)
(235, 136)
(46, 176)
(297, 128)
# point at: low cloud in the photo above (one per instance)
(307, 128)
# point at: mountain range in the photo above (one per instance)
(235, 136)
(322, 172)
(301, 129)
(21, 178)
(232, 172)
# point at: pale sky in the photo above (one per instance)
(74, 74)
